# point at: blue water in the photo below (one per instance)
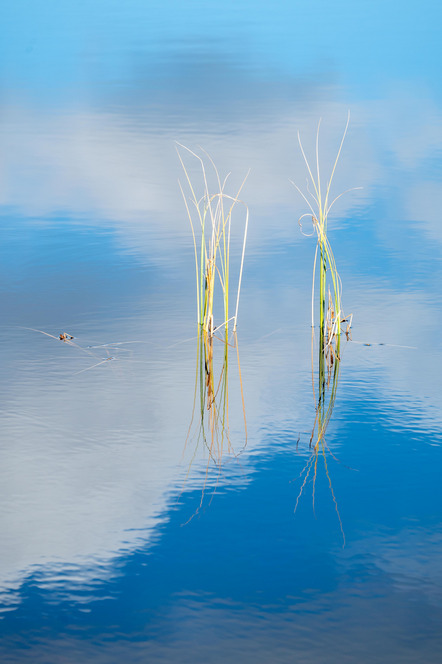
(120, 541)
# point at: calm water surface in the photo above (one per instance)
(117, 545)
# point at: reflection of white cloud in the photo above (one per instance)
(412, 558)
(423, 203)
(123, 168)
(119, 168)
(410, 127)
(89, 461)
(406, 323)
(407, 128)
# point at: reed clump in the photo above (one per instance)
(210, 216)
(210, 213)
(331, 317)
(332, 321)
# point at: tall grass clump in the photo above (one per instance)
(319, 203)
(210, 216)
(331, 318)
(211, 212)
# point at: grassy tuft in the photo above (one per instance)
(330, 287)
(211, 215)
(331, 317)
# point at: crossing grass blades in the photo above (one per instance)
(211, 213)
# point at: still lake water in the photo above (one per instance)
(106, 555)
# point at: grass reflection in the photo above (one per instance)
(209, 429)
(324, 393)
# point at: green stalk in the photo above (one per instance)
(322, 287)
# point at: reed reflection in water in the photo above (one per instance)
(209, 429)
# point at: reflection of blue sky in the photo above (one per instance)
(59, 47)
